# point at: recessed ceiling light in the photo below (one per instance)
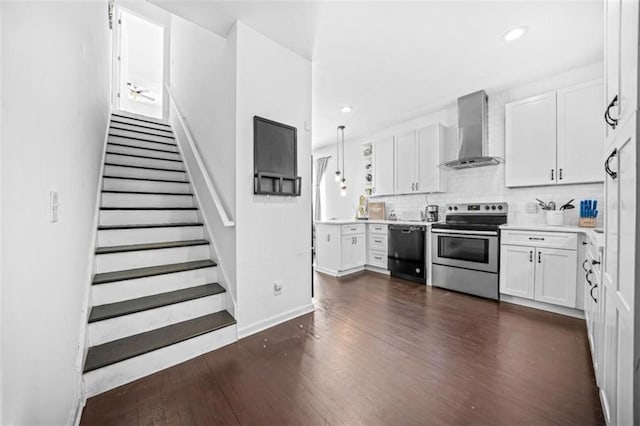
(515, 33)
(346, 108)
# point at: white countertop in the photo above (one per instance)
(596, 237)
(385, 222)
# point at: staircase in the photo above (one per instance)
(155, 300)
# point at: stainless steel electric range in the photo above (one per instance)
(465, 250)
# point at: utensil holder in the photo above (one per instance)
(555, 217)
(587, 222)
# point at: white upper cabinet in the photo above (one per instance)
(383, 179)
(406, 163)
(556, 137)
(418, 155)
(430, 148)
(530, 151)
(580, 133)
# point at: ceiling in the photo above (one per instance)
(397, 60)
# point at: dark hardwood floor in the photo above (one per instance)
(378, 351)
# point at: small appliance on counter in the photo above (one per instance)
(431, 213)
(465, 249)
(362, 208)
(377, 211)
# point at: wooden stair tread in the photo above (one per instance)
(141, 139)
(150, 246)
(119, 350)
(118, 191)
(139, 178)
(148, 225)
(142, 147)
(140, 131)
(148, 208)
(141, 125)
(145, 167)
(132, 306)
(150, 271)
(144, 156)
(140, 119)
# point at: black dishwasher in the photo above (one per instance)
(407, 252)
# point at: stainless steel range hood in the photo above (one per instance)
(473, 133)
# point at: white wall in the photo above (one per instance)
(203, 80)
(55, 102)
(485, 184)
(273, 234)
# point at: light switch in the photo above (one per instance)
(54, 205)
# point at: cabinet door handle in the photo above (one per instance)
(328, 237)
(613, 122)
(586, 262)
(413, 186)
(530, 255)
(377, 241)
(552, 174)
(586, 277)
(539, 257)
(595, 262)
(536, 238)
(591, 293)
(559, 174)
(417, 185)
(614, 175)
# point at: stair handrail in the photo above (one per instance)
(226, 221)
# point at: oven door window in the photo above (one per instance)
(464, 248)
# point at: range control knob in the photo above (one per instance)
(493, 207)
(450, 208)
(486, 207)
(499, 207)
(455, 208)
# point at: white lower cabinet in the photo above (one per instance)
(340, 249)
(377, 246)
(539, 271)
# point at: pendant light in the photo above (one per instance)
(343, 184)
(337, 174)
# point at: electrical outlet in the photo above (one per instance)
(277, 288)
(54, 205)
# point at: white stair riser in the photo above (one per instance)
(142, 127)
(145, 186)
(143, 144)
(139, 151)
(144, 258)
(135, 217)
(130, 134)
(146, 200)
(116, 328)
(143, 162)
(144, 173)
(118, 237)
(112, 376)
(118, 291)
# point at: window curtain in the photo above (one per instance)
(321, 167)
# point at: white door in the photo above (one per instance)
(580, 133)
(141, 65)
(517, 270)
(383, 167)
(619, 278)
(347, 255)
(359, 250)
(556, 276)
(429, 140)
(530, 132)
(628, 59)
(406, 163)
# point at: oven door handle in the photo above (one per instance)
(457, 232)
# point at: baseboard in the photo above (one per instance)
(562, 310)
(377, 270)
(257, 327)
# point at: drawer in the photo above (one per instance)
(378, 259)
(356, 228)
(377, 228)
(561, 240)
(378, 242)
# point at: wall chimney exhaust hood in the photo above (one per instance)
(473, 133)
